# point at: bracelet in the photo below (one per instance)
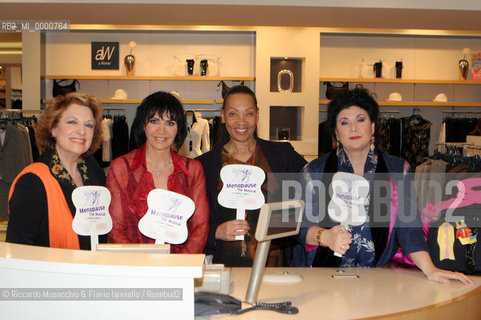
(318, 237)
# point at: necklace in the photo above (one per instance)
(159, 172)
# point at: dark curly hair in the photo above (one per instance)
(356, 97)
(159, 102)
(52, 114)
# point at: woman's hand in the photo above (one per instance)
(445, 276)
(423, 260)
(337, 238)
(228, 230)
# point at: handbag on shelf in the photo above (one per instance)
(334, 88)
(59, 89)
(225, 87)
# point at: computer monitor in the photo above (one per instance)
(276, 220)
(279, 220)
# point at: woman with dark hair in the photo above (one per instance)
(391, 219)
(240, 114)
(160, 129)
(40, 201)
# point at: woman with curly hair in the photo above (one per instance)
(40, 200)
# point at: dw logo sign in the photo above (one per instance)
(105, 55)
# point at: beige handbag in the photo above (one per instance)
(388, 70)
(180, 67)
(367, 71)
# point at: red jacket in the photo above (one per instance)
(130, 183)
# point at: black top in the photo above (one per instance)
(28, 220)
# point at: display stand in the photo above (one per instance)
(95, 285)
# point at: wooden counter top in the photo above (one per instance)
(378, 293)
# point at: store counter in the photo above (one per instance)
(56, 283)
(378, 293)
(47, 283)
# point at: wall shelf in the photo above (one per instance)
(420, 103)
(156, 78)
(399, 81)
(139, 101)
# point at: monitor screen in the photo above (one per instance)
(282, 221)
(279, 219)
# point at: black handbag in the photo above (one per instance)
(334, 88)
(64, 89)
(226, 88)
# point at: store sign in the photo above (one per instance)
(105, 55)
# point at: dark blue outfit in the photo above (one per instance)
(373, 245)
(282, 158)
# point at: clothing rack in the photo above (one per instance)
(453, 112)
(15, 114)
(460, 111)
(20, 111)
(454, 144)
(454, 147)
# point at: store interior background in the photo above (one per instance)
(330, 38)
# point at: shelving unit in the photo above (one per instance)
(152, 78)
(139, 101)
(413, 82)
(420, 103)
(406, 81)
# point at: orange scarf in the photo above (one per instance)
(61, 234)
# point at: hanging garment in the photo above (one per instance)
(458, 128)
(197, 140)
(442, 137)
(388, 136)
(325, 139)
(15, 154)
(107, 134)
(416, 133)
(120, 138)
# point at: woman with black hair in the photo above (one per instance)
(391, 217)
(240, 115)
(161, 128)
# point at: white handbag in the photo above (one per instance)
(180, 67)
(388, 70)
(213, 69)
(367, 71)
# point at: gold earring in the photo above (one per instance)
(337, 146)
(372, 144)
